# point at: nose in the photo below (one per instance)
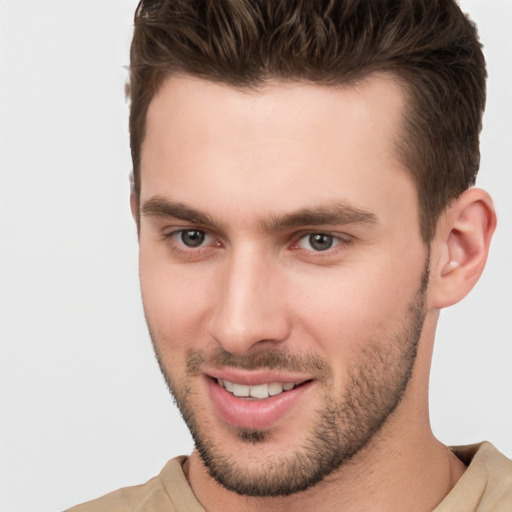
(251, 308)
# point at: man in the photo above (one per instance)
(303, 192)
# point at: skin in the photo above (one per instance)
(237, 166)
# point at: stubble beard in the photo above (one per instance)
(345, 425)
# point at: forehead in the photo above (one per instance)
(270, 148)
(184, 104)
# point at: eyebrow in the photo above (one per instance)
(329, 214)
(160, 207)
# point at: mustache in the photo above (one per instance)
(196, 360)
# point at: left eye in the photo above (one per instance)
(318, 242)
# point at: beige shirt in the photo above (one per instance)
(486, 486)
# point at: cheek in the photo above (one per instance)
(175, 301)
(352, 307)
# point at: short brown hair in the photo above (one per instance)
(429, 45)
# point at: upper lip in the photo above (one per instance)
(256, 377)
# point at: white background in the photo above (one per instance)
(83, 407)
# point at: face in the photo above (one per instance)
(282, 271)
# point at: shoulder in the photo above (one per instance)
(486, 485)
(497, 470)
(167, 491)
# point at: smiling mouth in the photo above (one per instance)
(260, 391)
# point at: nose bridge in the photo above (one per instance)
(250, 308)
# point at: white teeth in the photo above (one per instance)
(275, 388)
(240, 390)
(260, 391)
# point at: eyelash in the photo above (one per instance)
(338, 242)
(335, 241)
(180, 247)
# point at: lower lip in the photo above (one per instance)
(253, 414)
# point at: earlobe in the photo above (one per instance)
(462, 244)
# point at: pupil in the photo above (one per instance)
(320, 242)
(192, 238)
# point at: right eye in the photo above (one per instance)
(191, 237)
(192, 243)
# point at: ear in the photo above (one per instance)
(134, 203)
(460, 248)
